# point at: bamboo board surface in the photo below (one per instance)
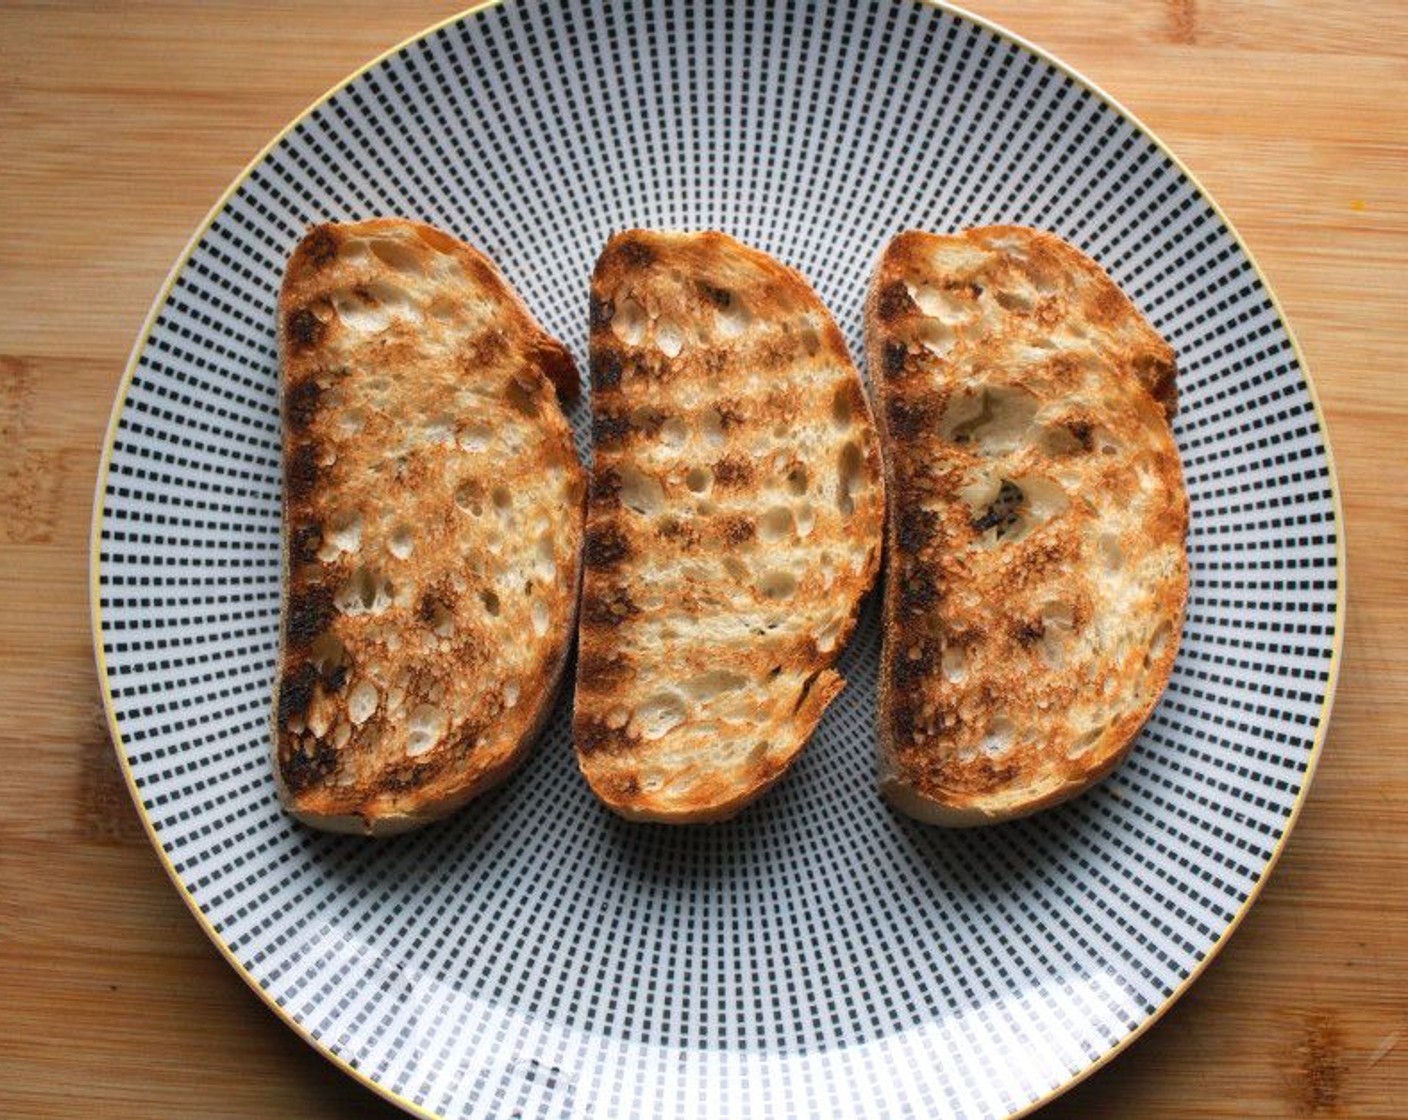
(119, 127)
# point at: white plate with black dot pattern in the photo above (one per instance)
(819, 956)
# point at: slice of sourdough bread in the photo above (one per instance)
(734, 524)
(433, 507)
(1037, 574)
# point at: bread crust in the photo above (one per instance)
(433, 509)
(733, 527)
(1037, 573)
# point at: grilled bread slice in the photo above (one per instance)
(733, 526)
(1037, 574)
(433, 508)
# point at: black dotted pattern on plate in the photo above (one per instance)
(819, 956)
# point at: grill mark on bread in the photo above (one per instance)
(307, 768)
(738, 529)
(296, 691)
(894, 300)
(601, 672)
(635, 253)
(606, 547)
(302, 403)
(306, 541)
(609, 607)
(917, 525)
(310, 610)
(599, 313)
(609, 430)
(895, 360)
(303, 330)
(906, 418)
(320, 246)
(591, 737)
(733, 471)
(606, 370)
(721, 298)
(302, 473)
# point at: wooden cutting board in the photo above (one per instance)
(121, 124)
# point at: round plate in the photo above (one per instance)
(819, 955)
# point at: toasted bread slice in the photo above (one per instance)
(433, 509)
(734, 524)
(1037, 572)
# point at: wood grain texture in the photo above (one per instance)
(120, 125)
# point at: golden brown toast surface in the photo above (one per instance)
(433, 522)
(733, 526)
(1037, 571)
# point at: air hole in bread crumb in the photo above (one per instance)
(1158, 641)
(992, 420)
(849, 481)
(1111, 551)
(397, 255)
(501, 497)
(328, 654)
(954, 662)
(1083, 744)
(365, 592)
(1013, 301)
(545, 558)
(841, 414)
(674, 432)
(806, 519)
(491, 602)
(827, 635)
(402, 544)
(698, 479)
(669, 338)
(468, 496)
(712, 425)
(523, 396)
(540, 616)
(424, 729)
(475, 436)
(775, 524)
(659, 714)
(736, 568)
(707, 686)
(344, 534)
(733, 317)
(797, 479)
(629, 322)
(640, 492)
(440, 620)
(362, 701)
(997, 740)
(777, 584)
(935, 336)
(360, 314)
